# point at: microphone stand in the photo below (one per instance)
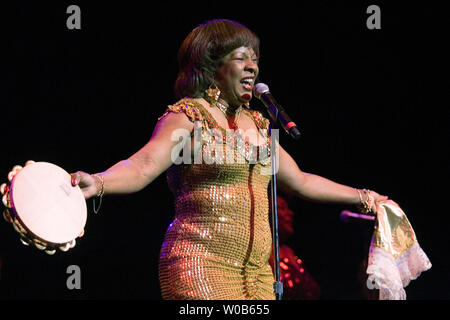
(274, 113)
(278, 285)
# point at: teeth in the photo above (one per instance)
(248, 81)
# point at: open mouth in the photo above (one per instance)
(247, 83)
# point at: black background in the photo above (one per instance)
(369, 104)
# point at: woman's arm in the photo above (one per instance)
(136, 172)
(315, 188)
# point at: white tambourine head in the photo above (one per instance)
(47, 204)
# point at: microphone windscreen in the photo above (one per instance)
(259, 89)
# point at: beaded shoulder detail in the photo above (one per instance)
(188, 106)
(193, 111)
(260, 121)
(212, 133)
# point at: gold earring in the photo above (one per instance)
(212, 95)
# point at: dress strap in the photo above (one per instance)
(260, 121)
(188, 106)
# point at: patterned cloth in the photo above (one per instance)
(219, 243)
(395, 256)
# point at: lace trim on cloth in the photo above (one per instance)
(390, 276)
(391, 271)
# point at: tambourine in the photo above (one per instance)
(43, 206)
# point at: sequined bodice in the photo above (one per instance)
(221, 219)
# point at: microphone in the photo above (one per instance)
(261, 91)
(346, 214)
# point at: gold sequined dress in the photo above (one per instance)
(219, 243)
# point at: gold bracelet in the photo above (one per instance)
(100, 193)
(360, 196)
(102, 185)
(365, 206)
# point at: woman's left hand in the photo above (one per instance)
(377, 199)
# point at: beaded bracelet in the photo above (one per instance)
(100, 193)
(365, 206)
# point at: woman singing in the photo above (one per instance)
(216, 151)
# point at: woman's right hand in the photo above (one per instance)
(88, 184)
